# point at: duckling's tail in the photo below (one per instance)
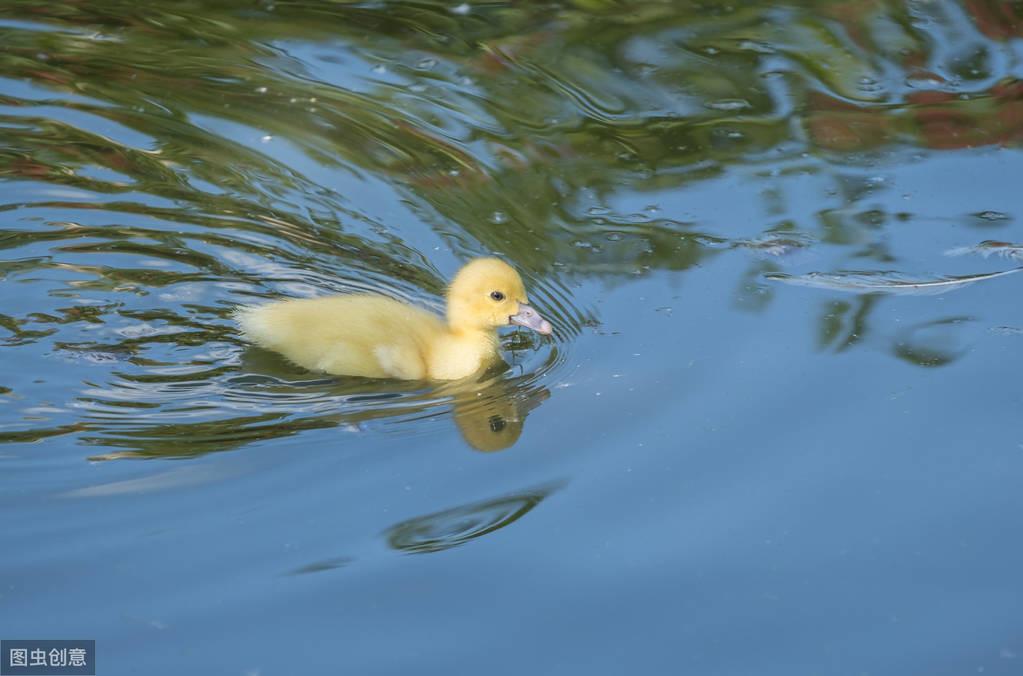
(252, 323)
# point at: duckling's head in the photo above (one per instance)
(488, 293)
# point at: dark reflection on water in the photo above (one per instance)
(322, 566)
(454, 527)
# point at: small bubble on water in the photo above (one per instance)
(261, 90)
(598, 211)
(614, 236)
(498, 218)
(461, 9)
(267, 138)
(380, 68)
(426, 64)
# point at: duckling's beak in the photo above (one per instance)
(531, 319)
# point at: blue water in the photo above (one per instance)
(705, 470)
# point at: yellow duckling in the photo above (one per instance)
(379, 337)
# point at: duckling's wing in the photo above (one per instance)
(357, 335)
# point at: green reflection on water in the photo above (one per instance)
(160, 164)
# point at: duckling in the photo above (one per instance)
(378, 337)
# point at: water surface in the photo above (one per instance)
(704, 470)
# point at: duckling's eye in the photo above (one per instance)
(497, 295)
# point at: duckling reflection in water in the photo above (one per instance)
(492, 419)
(489, 410)
(378, 337)
(489, 416)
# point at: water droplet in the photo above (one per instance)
(614, 236)
(598, 211)
(261, 90)
(380, 68)
(426, 64)
(461, 9)
(498, 218)
(267, 138)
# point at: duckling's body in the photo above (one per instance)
(378, 337)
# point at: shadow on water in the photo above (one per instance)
(162, 164)
(454, 527)
(275, 401)
(449, 528)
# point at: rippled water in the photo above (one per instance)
(705, 469)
